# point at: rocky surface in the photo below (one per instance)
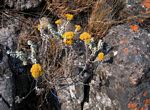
(124, 79)
(120, 79)
(22, 4)
(6, 82)
(8, 38)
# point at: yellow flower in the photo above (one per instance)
(87, 41)
(69, 17)
(58, 22)
(68, 35)
(78, 27)
(36, 70)
(100, 56)
(68, 41)
(86, 37)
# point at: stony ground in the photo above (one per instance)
(122, 79)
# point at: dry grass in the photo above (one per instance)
(57, 63)
(60, 7)
(99, 22)
(101, 12)
(23, 39)
(102, 17)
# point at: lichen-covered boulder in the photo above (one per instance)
(123, 78)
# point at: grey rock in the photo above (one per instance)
(22, 4)
(8, 35)
(127, 77)
(6, 85)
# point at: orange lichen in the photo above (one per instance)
(146, 3)
(145, 93)
(132, 106)
(101, 56)
(140, 20)
(134, 28)
(36, 70)
(126, 51)
(143, 108)
(147, 101)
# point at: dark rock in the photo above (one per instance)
(125, 74)
(6, 85)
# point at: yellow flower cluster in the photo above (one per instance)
(86, 37)
(69, 17)
(77, 27)
(58, 22)
(68, 41)
(100, 56)
(68, 37)
(36, 70)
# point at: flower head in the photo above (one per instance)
(58, 22)
(68, 35)
(78, 27)
(100, 56)
(36, 70)
(69, 17)
(86, 37)
(68, 41)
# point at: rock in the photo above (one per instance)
(127, 77)
(6, 84)
(8, 35)
(71, 94)
(22, 4)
